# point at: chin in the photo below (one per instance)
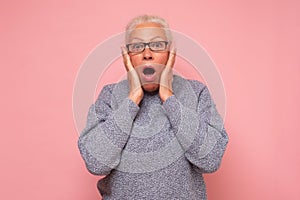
(150, 87)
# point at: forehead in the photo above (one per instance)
(147, 32)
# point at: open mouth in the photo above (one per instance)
(148, 71)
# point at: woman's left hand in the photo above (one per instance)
(166, 78)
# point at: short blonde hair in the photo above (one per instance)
(148, 19)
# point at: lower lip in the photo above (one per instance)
(149, 78)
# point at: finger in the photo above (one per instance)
(126, 59)
(173, 48)
(171, 60)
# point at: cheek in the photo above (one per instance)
(162, 58)
(136, 59)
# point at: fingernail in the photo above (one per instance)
(123, 49)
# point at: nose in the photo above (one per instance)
(147, 54)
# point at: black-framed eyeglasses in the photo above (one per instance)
(140, 46)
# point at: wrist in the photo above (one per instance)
(166, 96)
(135, 98)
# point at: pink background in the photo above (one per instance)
(255, 45)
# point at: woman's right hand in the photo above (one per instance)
(136, 92)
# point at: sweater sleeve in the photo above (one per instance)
(205, 147)
(106, 132)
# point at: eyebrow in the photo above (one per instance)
(143, 40)
(156, 37)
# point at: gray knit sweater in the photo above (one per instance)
(154, 150)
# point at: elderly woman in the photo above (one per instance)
(153, 135)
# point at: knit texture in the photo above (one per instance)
(153, 150)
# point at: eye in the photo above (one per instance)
(137, 46)
(159, 45)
